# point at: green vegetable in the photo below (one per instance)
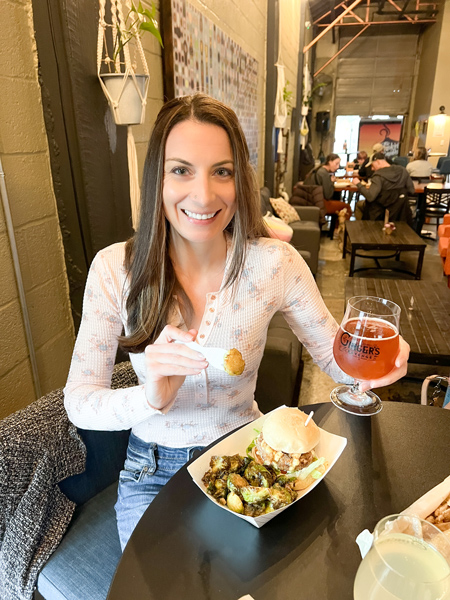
(303, 473)
(252, 444)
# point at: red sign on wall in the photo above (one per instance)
(386, 132)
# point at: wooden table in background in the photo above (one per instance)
(425, 314)
(369, 235)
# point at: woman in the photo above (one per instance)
(200, 267)
(420, 166)
(324, 176)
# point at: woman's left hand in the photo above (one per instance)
(399, 371)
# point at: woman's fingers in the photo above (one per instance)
(168, 362)
(167, 357)
(170, 333)
(399, 371)
(403, 353)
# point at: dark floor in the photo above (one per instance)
(333, 271)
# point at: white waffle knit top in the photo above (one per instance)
(275, 278)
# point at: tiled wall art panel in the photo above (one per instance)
(208, 60)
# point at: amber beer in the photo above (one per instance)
(366, 348)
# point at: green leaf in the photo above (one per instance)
(149, 26)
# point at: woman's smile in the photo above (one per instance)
(199, 217)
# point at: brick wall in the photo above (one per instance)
(24, 154)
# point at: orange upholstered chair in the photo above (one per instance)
(444, 245)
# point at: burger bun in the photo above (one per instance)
(284, 430)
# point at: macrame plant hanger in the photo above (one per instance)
(120, 81)
(281, 111)
(304, 128)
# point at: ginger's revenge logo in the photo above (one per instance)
(355, 346)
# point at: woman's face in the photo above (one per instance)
(199, 194)
(333, 166)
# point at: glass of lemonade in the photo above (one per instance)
(409, 560)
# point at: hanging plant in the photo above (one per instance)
(125, 89)
(287, 96)
(138, 21)
(317, 88)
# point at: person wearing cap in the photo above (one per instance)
(365, 170)
(389, 189)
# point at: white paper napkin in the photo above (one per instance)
(214, 356)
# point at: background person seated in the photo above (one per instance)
(420, 166)
(324, 176)
(360, 159)
(389, 189)
(365, 170)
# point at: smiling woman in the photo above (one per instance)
(202, 268)
(199, 193)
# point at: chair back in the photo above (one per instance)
(421, 179)
(437, 397)
(440, 161)
(401, 160)
(438, 200)
(444, 169)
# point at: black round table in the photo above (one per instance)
(186, 547)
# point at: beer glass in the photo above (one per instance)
(408, 560)
(365, 348)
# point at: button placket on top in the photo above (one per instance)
(201, 387)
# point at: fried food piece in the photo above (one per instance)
(233, 362)
(441, 516)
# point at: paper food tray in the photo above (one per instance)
(330, 446)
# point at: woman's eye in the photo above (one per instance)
(180, 171)
(222, 172)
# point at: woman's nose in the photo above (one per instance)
(203, 189)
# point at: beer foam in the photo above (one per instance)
(367, 322)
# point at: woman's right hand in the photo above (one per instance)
(167, 365)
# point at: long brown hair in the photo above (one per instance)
(152, 279)
(421, 153)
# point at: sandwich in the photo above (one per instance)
(287, 442)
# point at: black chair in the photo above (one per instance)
(437, 203)
(422, 179)
(440, 161)
(444, 169)
(401, 160)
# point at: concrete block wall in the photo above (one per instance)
(24, 155)
(289, 42)
(155, 97)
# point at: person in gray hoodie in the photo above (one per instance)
(389, 188)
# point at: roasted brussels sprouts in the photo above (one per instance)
(254, 495)
(259, 475)
(235, 482)
(234, 503)
(247, 487)
(280, 496)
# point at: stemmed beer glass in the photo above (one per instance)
(365, 347)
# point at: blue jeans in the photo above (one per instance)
(147, 468)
